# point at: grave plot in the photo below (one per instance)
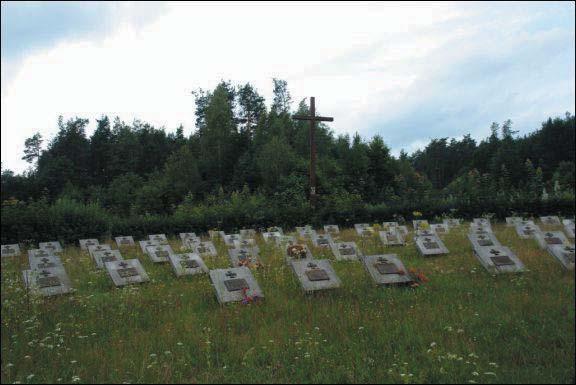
(567, 221)
(389, 225)
(403, 230)
(346, 251)
(145, 243)
(34, 254)
(392, 237)
(452, 222)
(245, 256)
(230, 238)
(160, 238)
(125, 240)
(514, 221)
(275, 229)
(48, 262)
(306, 232)
(481, 222)
(440, 228)
(271, 236)
(185, 236)
(322, 240)
(47, 282)
(296, 251)
(235, 285)
(425, 233)
(52, 247)
(245, 243)
(84, 243)
(564, 254)
(480, 241)
(190, 243)
(479, 229)
(364, 229)
(420, 224)
(551, 220)
(569, 229)
(214, 234)
(499, 260)
(187, 264)
(95, 248)
(159, 253)
(284, 240)
(126, 272)
(12, 250)
(205, 249)
(331, 229)
(247, 233)
(103, 256)
(302, 229)
(527, 231)
(386, 269)
(316, 274)
(549, 238)
(430, 245)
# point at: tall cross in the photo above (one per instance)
(313, 119)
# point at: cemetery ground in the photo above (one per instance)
(462, 326)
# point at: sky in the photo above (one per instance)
(409, 72)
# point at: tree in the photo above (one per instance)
(282, 98)
(32, 148)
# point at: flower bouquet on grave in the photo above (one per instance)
(418, 278)
(297, 251)
(247, 299)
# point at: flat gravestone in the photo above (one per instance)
(499, 260)
(483, 241)
(452, 222)
(126, 272)
(12, 250)
(481, 221)
(430, 245)
(271, 236)
(403, 230)
(84, 243)
(187, 264)
(124, 241)
(103, 256)
(301, 229)
(322, 240)
(95, 248)
(479, 229)
(425, 233)
(159, 253)
(160, 238)
(551, 220)
(285, 240)
(48, 262)
(145, 243)
(346, 251)
(246, 242)
(331, 229)
(247, 233)
(420, 224)
(235, 285)
(205, 249)
(527, 231)
(47, 282)
(190, 243)
(306, 232)
(35, 254)
(386, 269)
(214, 234)
(564, 254)
(392, 237)
(53, 247)
(513, 221)
(389, 225)
(316, 274)
(185, 236)
(549, 238)
(567, 221)
(440, 228)
(364, 229)
(296, 251)
(275, 229)
(244, 256)
(230, 238)
(569, 229)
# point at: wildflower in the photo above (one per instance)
(75, 379)
(433, 344)
(29, 377)
(475, 374)
(73, 361)
(179, 343)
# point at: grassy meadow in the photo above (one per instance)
(463, 326)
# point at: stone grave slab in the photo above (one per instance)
(364, 229)
(482, 241)
(84, 243)
(126, 240)
(479, 229)
(93, 249)
(126, 272)
(187, 264)
(296, 251)
(214, 234)
(549, 238)
(440, 228)
(513, 221)
(246, 242)
(160, 238)
(230, 238)
(285, 240)
(322, 240)
(301, 229)
(346, 251)
(247, 233)
(48, 282)
(569, 229)
(420, 224)
(452, 222)
(499, 260)
(392, 237)
(527, 231)
(316, 274)
(306, 232)
(481, 221)
(567, 221)
(564, 254)
(34, 254)
(12, 250)
(244, 256)
(386, 269)
(53, 246)
(331, 229)
(185, 236)
(146, 242)
(271, 236)
(205, 249)
(425, 233)
(233, 285)
(389, 225)
(103, 256)
(190, 243)
(48, 262)
(430, 245)
(403, 230)
(551, 220)
(159, 253)
(275, 229)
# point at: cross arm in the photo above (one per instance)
(315, 118)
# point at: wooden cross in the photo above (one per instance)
(313, 119)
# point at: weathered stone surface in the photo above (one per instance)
(53, 246)
(425, 233)
(12, 250)
(564, 254)
(160, 238)
(569, 229)
(47, 282)
(275, 229)
(392, 237)
(145, 243)
(403, 230)
(389, 225)
(271, 236)
(479, 229)
(187, 264)
(551, 220)
(430, 245)
(126, 272)
(306, 232)
(499, 260)
(364, 229)
(386, 269)
(48, 262)
(527, 231)
(452, 222)
(185, 236)
(34, 254)
(246, 243)
(124, 241)
(322, 240)
(235, 284)
(247, 233)
(103, 256)
(244, 256)
(93, 249)
(84, 243)
(483, 241)
(420, 224)
(205, 249)
(331, 229)
(230, 238)
(316, 274)
(284, 240)
(481, 221)
(514, 221)
(549, 238)
(346, 251)
(159, 253)
(440, 228)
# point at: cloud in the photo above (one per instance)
(406, 71)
